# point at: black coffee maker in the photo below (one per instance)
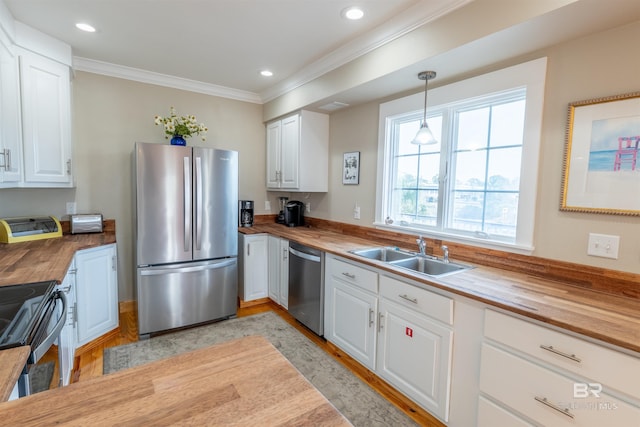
(245, 213)
(294, 213)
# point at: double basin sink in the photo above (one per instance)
(423, 264)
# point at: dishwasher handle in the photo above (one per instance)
(303, 255)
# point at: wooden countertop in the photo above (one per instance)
(605, 317)
(241, 382)
(47, 259)
(12, 362)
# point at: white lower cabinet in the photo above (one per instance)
(401, 332)
(541, 376)
(350, 322)
(279, 270)
(68, 334)
(253, 266)
(96, 292)
(414, 355)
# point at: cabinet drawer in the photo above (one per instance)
(492, 415)
(426, 302)
(358, 276)
(616, 370)
(547, 397)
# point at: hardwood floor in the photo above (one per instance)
(88, 364)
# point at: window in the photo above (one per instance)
(479, 182)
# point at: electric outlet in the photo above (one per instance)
(267, 205)
(603, 245)
(356, 212)
(308, 207)
(71, 208)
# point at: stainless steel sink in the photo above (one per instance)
(429, 266)
(423, 264)
(384, 253)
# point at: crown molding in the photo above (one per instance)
(150, 77)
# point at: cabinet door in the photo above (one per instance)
(46, 120)
(284, 273)
(67, 343)
(351, 321)
(414, 355)
(274, 132)
(256, 267)
(290, 152)
(96, 292)
(10, 136)
(274, 269)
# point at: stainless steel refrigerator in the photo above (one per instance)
(186, 213)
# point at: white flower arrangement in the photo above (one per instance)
(184, 126)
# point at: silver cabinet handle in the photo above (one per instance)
(285, 251)
(408, 298)
(69, 167)
(349, 275)
(380, 317)
(371, 312)
(563, 411)
(248, 249)
(6, 153)
(560, 353)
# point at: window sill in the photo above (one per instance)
(456, 238)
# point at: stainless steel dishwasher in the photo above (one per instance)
(306, 286)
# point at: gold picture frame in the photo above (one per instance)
(601, 165)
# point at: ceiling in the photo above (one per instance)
(225, 43)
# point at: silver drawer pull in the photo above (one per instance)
(560, 353)
(408, 298)
(563, 411)
(371, 313)
(349, 275)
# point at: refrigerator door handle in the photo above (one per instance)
(198, 212)
(154, 271)
(187, 204)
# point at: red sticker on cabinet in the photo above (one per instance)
(409, 332)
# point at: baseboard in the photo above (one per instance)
(244, 304)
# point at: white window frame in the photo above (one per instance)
(530, 75)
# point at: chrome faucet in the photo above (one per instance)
(422, 245)
(445, 253)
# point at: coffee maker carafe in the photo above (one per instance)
(283, 204)
(245, 213)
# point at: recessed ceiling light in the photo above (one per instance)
(353, 13)
(266, 73)
(85, 27)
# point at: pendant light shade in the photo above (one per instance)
(424, 135)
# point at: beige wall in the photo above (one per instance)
(111, 114)
(600, 65)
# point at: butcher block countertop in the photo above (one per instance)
(47, 259)
(12, 362)
(606, 317)
(241, 382)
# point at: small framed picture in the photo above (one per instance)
(351, 168)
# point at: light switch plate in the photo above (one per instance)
(603, 245)
(71, 208)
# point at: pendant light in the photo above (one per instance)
(424, 135)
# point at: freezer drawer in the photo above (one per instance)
(177, 295)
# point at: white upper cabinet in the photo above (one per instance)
(298, 153)
(10, 137)
(35, 109)
(46, 120)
